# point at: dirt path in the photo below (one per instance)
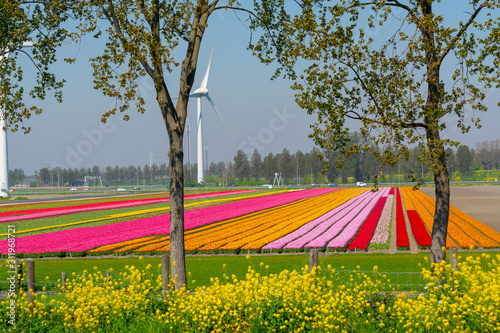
(479, 202)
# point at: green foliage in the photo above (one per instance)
(390, 82)
(29, 21)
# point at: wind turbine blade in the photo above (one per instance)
(204, 82)
(218, 113)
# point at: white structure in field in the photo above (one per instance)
(88, 179)
(278, 179)
(202, 91)
(4, 156)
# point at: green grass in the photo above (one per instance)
(202, 268)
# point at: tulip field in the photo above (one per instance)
(264, 221)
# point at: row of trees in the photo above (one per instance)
(110, 175)
(297, 167)
(363, 166)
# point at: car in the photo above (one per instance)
(137, 188)
(360, 184)
(73, 189)
(332, 185)
(121, 189)
(315, 185)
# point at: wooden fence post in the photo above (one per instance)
(313, 259)
(454, 258)
(63, 279)
(30, 272)
(19, 274)
(165, 270)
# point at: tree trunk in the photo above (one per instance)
(441, 213)
(176, 157)
(434, 143)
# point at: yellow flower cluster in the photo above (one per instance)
(466, 300)
(90, 301)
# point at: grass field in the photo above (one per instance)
(401, 268)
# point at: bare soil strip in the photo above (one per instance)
(479, 202)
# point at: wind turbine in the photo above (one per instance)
(4, 156)
(202, 91)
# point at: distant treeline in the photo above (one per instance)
(464, 164)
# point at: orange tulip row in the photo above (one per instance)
(111, 247)
(162, 244)
(484, 235)
(426, 214)
(149, 245)
(263, 227)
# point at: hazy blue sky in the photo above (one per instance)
(261, 113)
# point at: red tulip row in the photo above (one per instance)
(402, 240)
(366, 231)
(420, 233)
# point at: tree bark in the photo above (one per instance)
(176, 157)
(434, 143)
(441, 213)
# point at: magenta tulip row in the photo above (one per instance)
(86, 238)
(111, 205)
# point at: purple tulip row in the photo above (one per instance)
(86, 238)
(350, 228)
(381, 235)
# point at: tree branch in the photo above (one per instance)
(461, 32)
(111, 17)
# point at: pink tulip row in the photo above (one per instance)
(47, 212)
(343, 234)
(381, 235)
(336, 226)
(313, 229)
(86, 238)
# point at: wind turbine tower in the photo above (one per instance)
(4, 156)
(202, 91)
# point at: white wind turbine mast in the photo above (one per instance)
(202, 91)
(4, 156)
